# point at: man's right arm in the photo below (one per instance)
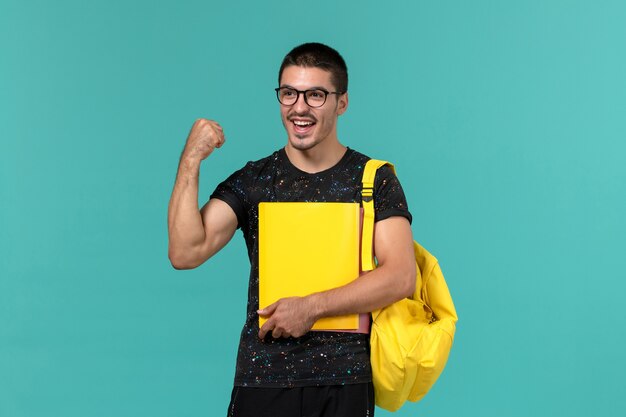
(196, 235)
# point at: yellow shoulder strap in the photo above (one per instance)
(367, 194)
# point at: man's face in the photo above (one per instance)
(308, 126)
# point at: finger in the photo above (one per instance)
(268, 311)
(265, 328)
(217, 137)
(287, 334)
(276, 333)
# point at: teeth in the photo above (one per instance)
(302, 123)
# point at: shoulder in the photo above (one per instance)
(254, 169)
(361, 159)
(273, 158)
(384, 172)
(356, 157)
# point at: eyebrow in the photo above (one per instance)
(315, 87)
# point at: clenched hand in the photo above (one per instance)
(204, 137)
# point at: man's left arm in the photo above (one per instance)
(392, 280)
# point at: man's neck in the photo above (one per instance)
(317, 159)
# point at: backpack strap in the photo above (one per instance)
(367, 195)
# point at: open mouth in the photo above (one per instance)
(302, 126)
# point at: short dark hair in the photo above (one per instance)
(318, 55)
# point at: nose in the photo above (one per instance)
(300, 105)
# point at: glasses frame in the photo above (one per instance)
(303, 92)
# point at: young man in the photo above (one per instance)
(283, 369)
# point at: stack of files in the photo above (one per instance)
(306, 248)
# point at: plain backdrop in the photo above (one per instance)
(505, 120)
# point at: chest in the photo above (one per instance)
(283, 186)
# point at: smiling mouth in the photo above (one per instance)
(302, 126)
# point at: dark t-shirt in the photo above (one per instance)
(317, 358)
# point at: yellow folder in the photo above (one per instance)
(306, 248)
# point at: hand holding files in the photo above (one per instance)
(288, 317)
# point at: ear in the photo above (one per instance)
(342, 104)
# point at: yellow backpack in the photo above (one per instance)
(411, 339)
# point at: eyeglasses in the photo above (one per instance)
(313, 98)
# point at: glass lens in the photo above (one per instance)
(287, 96)
(315, 98)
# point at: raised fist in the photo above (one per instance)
(204, 137)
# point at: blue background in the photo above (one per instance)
(506, 122)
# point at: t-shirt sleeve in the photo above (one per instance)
(231, 191)
(389, 198)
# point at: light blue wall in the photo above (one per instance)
(506, 122)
